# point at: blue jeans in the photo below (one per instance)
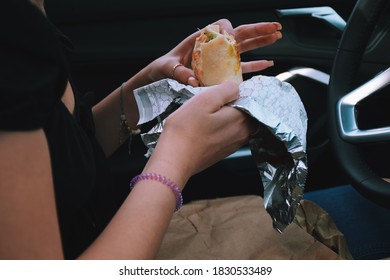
(365, 225)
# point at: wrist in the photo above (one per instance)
(173, 155)
(131, 108)
(154, 71)
(168, 169)
(163, 180)
(168, 161)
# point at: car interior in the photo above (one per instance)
(335, 54)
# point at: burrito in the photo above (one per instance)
(215, 58)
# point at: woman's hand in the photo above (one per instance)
(200, 133)
(248, 37)
(253, 36)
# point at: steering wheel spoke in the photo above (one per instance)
(344, 133)
(346, 112)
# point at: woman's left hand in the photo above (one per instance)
(177, 63)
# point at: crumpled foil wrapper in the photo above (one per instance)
(279, 146)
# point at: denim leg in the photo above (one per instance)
(366, 226)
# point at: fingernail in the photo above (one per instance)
(271, 62)
(279, 35)
(278, 25)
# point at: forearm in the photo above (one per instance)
(138, 228)
(107, 112)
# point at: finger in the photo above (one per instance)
(184, 75)
(225, 25)
(258, 42)
(254, 66)
(215, 97)
(253, 30)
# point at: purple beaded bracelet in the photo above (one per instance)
(162, 179)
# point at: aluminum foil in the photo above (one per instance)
(279, 146)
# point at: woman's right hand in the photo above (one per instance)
(200, 133)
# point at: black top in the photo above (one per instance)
(33, 76)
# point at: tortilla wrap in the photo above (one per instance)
(215, 58)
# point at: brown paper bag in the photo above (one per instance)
(319, 224)
(239, 228)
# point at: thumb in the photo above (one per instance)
(220, 95)
(184, 75)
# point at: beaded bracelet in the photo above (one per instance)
(162, 179)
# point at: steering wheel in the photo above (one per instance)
(345, 135)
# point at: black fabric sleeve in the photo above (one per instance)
(31, 73)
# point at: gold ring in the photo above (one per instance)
(174, 69)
